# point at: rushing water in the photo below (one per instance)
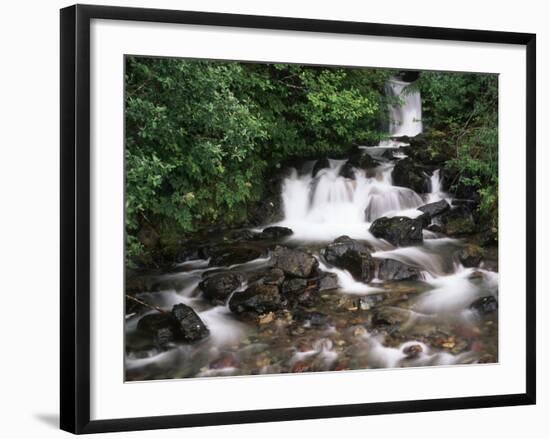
(435, 323)
(406, 116)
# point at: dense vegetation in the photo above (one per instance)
(464, 107)
(202, 137)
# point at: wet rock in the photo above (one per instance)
(320, 164)
(275, 232)
(161, 328)
(218, 288)
(458, 221)
(258, 298)
(471, 255)
(328, 281)
(484, 305)
(398, 230)
(436, 228)
(191, 327)
(275, 276)
(434, 209)
(351, 255)
(293, 286)
(387, 315)
(231, 255)
(269, 209)
(347, 171)
(390, 269)
(407, 173)
(425, 219)
(182, 324)
(294, 262)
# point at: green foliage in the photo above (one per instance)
(201, 136)
(466, 107)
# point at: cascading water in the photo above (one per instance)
(430, 313)
(329, 205)
(406, 115)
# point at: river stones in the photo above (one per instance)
(218, 288)
(434, 209)
(399, 230)
(294, 262)
(275, 232)
(160, 328)
(182, 324)
(484, 305)
(259, 298)
(390, 269)
(191, 327)
(407, 173)
(471, 255)
(351, 255)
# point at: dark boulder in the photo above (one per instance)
(407, 173)
(218, 288)
(182, 324)
(347, 170)
(351, 255)
(275, 232)
(269, 209)
(434, 209)
(458, 221)
(470, 255)
(425, 219)
(398, 230)
(231, 255)
(320, 164)
(390, 269)
(258, 298)
(161, 328)
(484, 305)
(191, 327)
(294, 262)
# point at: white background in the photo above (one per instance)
(29, 220)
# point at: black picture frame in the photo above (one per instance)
(75, 217)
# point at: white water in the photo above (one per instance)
(329, 205)
(436, 190)
(406, 117)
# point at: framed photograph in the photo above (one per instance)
(268, 218)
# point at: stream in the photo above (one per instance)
(424, 307)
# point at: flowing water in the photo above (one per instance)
(431, 319)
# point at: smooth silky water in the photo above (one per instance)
(434, 324)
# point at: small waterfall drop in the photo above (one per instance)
(405, 117)
(331, 205)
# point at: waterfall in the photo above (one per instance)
(436, 191)
(330, 205)
(406, 116)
